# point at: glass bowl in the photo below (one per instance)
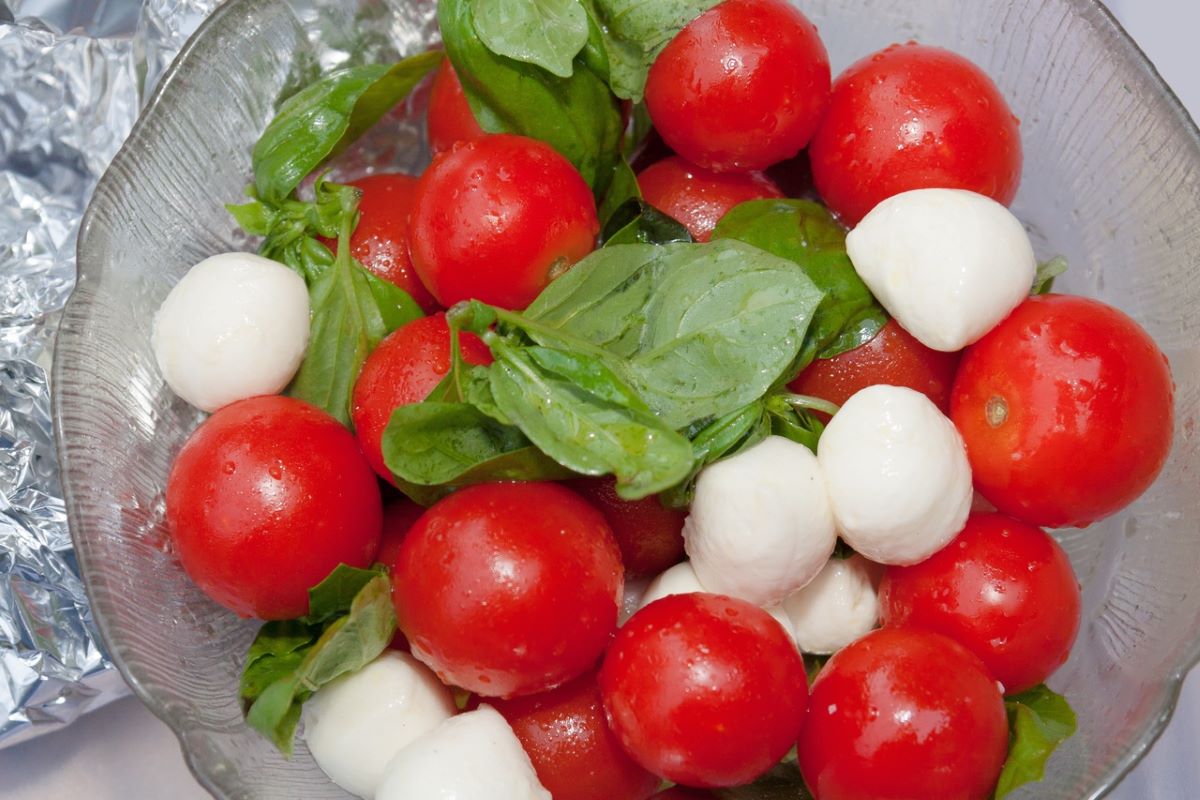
(1111, 181)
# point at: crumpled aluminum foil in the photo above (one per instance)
(73, 75)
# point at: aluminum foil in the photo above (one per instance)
(73, 75)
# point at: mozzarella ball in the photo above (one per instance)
(356, 724)
(760, 525)
(948, 264)
(236, 326)
(897, 475)
(837, 607)
(474, 756)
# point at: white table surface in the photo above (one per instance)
(122, 752)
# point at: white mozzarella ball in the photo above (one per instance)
(897, 475)
(760, 524)
(948, 264)
(236, 326)
(839, 606)
(356, 724)
(474, 756)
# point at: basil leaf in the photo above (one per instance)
(1047, 271)
(1039, 721)
(788, 421)
(290, 660)
(805, 233)
(323, 118)
(636, 31)
(638, 222)
(621, 190)
(715, 439)
(576, 411)
(545, 33)
(578, 116)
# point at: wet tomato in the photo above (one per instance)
(698, 197)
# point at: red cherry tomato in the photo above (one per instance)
(742, 87)
(698, 197)
(568, 740)
(380, 240)
(914, 117)
(406, 366)
(1002, 589)
(1066, 409)
(892, 357)
(704, 690)
(650, 537)
(907, 715)
(507, 589)
(266, 497)
(449, 119)
(497, 218)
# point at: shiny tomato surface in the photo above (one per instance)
(576, 756)
(507, 589)
(698, 197)
(1066, 408)
(1002, 589)
(905, 715)
(406, 366)
(650, 536)
(266, 497)
(742, 87)
(704, 690)
(497, 218)
(892, 357)
(449, 119)
(913, 117)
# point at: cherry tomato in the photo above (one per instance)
(380, 240)
(497, 218)
(449, 119)
(507, 589)
(567, 737)
(650, 536)
(1066, 409)
(704, 690)
(1002, 589)
(742, 87)
(698, 197)
(266, 497)
(892, 357)
(907, 715)
(406, 366)
(914, 117)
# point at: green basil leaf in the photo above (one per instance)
(255, 218)
(800, 426)
(805, 233)
(545, 33)
(396, 306)
(578, 116)
(638, 222)
(322, 119)
(622, 190)
(335, 595)
(1047, 271)
(275, 653)
(587, 428)
(276, 713)
(715, 439)
(636, 31)
(1039, 721)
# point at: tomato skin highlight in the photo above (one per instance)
(649, 536)
(1002, 589)
(575, 754)
(698, 197)
(449, 119)
(893, 357)
(507, 589)
(495, 218)
(704, 690)
(1066, 408)
(741, 87)
(905, 715)
(914, 117)
(406, 366)
(266, 497)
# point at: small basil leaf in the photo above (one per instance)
(545, 33)
(255, 218)
(1039, 721)
(713, 440)
(396, 306)
(638, 222)
(622, 190)
(1047, 271)
(800, 426)
(323, 118)
(334, 595)
(274, 654)
(276, 713)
